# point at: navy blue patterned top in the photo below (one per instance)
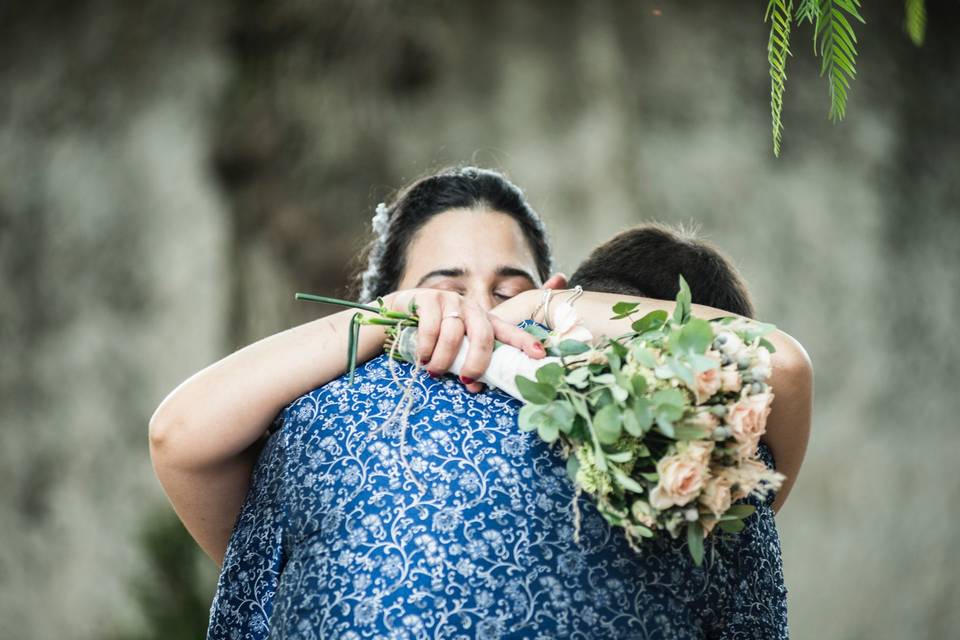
(471, 537)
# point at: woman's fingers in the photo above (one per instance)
(429, 309)
(451, 336)
(515, 336)
(480, 336)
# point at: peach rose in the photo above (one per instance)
(704, 419)
(681, 475)
(706, 383)
(716, 495)
(747, 420)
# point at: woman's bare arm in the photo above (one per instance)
(788, 426)
(206, 435)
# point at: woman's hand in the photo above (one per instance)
(445, 318)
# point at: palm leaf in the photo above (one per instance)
(836, 42)
(808, 10)
(915, 20)
(779, 13)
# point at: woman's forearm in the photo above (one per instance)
(206, 435)
(223, 409)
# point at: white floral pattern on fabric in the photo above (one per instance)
(472, 538)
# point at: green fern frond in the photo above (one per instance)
(835, 37)
(779, 12)
(808, 10)
(915, 20)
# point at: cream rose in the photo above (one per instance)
(730, 379)
(750, 475)
(567, 326)
(747, 420)
(733, 346)
(681, 475)
(643, 514)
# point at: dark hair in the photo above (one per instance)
(395, 224)
(648, 260)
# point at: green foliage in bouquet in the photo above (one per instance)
(394, 321)
(621, 407)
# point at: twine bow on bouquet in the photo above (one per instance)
(660, 426)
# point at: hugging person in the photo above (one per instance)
(452, 523)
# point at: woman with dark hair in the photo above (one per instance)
(459, 242)
(447, 522)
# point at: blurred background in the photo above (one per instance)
(171, 172)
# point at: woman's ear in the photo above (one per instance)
(556, 281)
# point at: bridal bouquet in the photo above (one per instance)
(659, 426)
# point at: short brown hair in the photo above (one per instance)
(647, 261)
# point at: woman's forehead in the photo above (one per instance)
(473, 242)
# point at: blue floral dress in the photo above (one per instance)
(455, 524)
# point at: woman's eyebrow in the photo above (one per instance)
(445, 273)
(515, 272)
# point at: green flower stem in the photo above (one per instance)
(342, 303)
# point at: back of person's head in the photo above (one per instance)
(647, 261)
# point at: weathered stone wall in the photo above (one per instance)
(171, 172)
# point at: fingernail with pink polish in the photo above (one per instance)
(467, 380)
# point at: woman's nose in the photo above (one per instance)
(483, 298)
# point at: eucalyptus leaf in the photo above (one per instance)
(572, 347)
(644, 356)
(618, 348)
(529, 417)
(672, 396)
(573, 465)
(695, 541)
(620, 456)
(740, 510)
(548, 432)
(551, 373)
(578, 377)
(702, 363)
(686, 432)
(536, 331)
(665, 427)
(651, 321)
(644, 413)
(652, 476)
(639, 384)
(619, 393)
(732, 526)
(682, 371)
(623, 309)
(607, 424)
(560, 414)
(626, 481)
(535, 392)
(631, 424)
(695, 336)
(681, 312)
